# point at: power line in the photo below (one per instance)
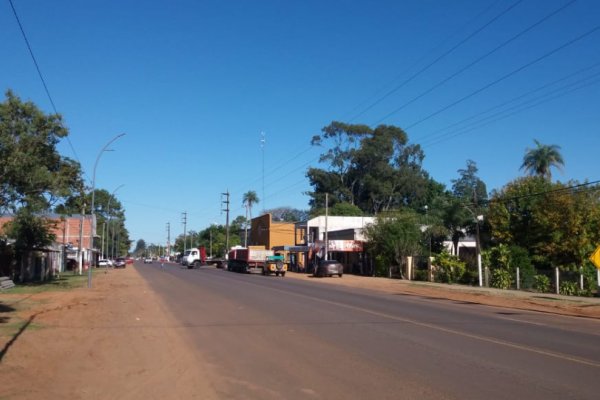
(564, 78)
(506, 76)
(503, 114)
(477, 60)
(439, 58)
(37, 67)
(576, 188)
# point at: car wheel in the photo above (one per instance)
(340, 275)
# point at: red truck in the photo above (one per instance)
(255, 259)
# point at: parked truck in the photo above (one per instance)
(255, 259)
(194, 258)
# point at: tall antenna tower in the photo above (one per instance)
(262, 148)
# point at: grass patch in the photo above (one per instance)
(66, 281)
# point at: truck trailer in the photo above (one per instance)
(255, 259)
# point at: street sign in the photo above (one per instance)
(595, 257)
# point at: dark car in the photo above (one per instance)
(120, 263)
(329, 268)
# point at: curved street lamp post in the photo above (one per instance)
(93, 222)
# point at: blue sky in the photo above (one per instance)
(193, 84)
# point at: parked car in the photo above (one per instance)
(329, 268)
(120, 262)
(148, 260)
(104, 263)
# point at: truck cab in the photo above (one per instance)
(194, 258)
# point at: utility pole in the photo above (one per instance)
(326, 227)
(184, 221)
(226, 209)
(80, 247)
(168, 239)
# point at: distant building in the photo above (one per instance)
(72, 234)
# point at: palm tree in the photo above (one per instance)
(539, 160)
(250, 198)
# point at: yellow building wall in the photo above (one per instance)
(267, 233)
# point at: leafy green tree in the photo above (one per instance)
(556, 224)
(140, 248)
(469, 187)
(287, 214)
(110, 219)
(374, 169)
(340, 209)
(539, 160)
(32, 172)
(30, 232)
(394, 236)
(33, 175)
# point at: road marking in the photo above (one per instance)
(500, 342)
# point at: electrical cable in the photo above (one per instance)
(433, 134)
(423, 57)
(477, 60)
(37, 67)
(514, 110)
(506, 76)
(435, 61)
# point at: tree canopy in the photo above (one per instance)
(32, 172)
(555, 222)
(374, 169)
(540, 160)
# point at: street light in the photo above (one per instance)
(93, 223)
(479, 218)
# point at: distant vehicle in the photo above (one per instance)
(148, 260)
(194, 258)
(255, 259)
(329, 268)
(104, 263)
(120, 262)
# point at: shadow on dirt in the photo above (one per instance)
(15, 337)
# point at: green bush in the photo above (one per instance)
(519, 257)
(590, 282)
(541, 283)
(568, 288)
(449, 268)
(501, 279)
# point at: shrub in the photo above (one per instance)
(568, 288)
(501, 279)
(541, 283)
(450, 268)
(519, 257)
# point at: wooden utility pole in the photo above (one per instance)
(226, 203)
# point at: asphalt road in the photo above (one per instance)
(282, 338)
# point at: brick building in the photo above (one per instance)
(72, 233)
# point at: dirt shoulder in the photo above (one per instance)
(114, 341)
(563, 305)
